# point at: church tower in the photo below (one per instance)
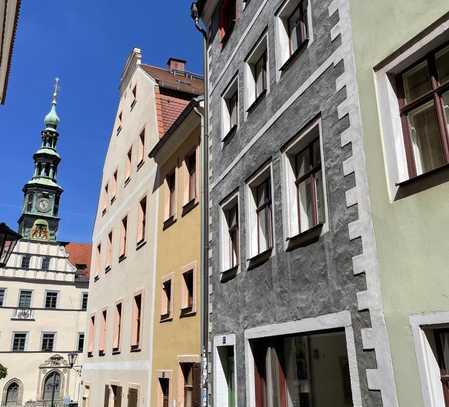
(39, 219)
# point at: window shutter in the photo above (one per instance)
(196, 380)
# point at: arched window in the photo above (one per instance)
(12, 394)
(52, 387)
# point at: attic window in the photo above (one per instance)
(228, 15)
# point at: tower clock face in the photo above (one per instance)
(43, 205)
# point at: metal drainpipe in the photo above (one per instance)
(204, 216)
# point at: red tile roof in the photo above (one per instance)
(168, 109)
(79, 256)
(174, 92)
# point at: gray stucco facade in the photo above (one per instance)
(338, 272)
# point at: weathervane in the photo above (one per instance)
(56, 91)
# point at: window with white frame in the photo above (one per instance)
(292, 29)
(48, 341)
(413, 98)
(19, 341)
(304, 182)
(230, 250)
(51, 299)
(25, 298)
(230, 109)
(256, 73)
(260, 216)
(423, 94)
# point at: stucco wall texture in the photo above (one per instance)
(410, 236)
(306, 282)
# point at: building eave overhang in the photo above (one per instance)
(8, 28)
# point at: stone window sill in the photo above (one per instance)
(259, 259)
(168, 222)
(187, 312)
(422, 182)
(229, 274)
(305, 238)
(166, 318)
(189, 206)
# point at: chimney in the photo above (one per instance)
(175, 64)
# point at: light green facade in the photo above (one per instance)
(411, 233)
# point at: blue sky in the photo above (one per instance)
(86, 44)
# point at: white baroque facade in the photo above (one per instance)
(43, 299)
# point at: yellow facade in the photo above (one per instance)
(177, 332)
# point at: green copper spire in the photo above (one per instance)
(52, 119)
(39, 219)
